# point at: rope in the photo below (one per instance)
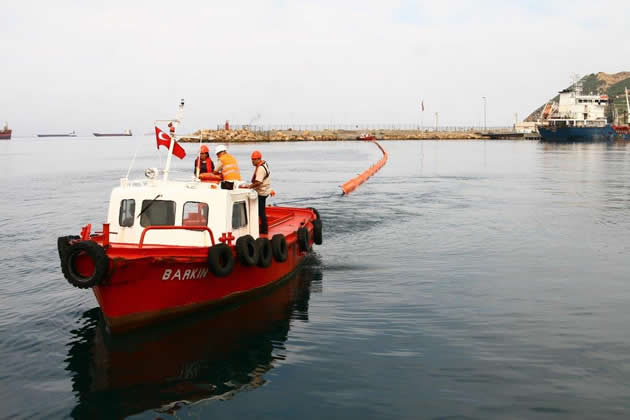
(307, 199)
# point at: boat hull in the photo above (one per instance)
(576, 134)
(112, 134)
(56, 135)
(155, 283)
(622, 132)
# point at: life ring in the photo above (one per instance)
(210, 177)
(220, 260)
(74, 275)
(264, 252)
(314, 211)
(317, 231)
(279, 247)
(303, 239)
(63, 243)
(247, 250)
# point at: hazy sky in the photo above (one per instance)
(113, 65)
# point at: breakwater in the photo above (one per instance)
(244, 135)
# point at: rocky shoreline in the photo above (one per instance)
(235, 136)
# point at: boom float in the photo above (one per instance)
(354, 183)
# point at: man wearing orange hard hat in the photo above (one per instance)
(203, 163)
(261, 182)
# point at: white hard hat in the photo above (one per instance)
(220, 148)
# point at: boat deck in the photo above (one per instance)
(286, 220)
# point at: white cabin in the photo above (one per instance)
(180, 203)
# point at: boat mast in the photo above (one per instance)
(178, 117)
(627, 106)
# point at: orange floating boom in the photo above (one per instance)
(354, 183)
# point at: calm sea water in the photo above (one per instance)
(466, 279)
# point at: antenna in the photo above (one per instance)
(179, 116)
(627, 106)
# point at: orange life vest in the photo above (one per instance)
(229, 169)
(209, 165)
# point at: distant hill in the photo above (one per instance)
(610, 84)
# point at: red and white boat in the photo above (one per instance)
(5, 133)
(172, 247)
(366, 136)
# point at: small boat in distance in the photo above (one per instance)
(72, 134)
(5, 133)
(126, 133)
(366, 136)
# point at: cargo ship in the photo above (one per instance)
(576, 118)
(126, 133)
(5, 133)
(72, 134)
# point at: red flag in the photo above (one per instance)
(423, 105)
(164, 139)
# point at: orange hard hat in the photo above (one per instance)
(204, 149)
(256, 155)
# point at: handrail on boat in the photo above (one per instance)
(148, 228)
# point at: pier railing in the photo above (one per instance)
(362, 127)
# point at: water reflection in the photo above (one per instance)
(213, 356)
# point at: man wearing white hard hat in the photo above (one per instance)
(226, 166)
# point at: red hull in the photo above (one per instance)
(5, 135)
(153, 283)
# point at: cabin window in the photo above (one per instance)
(125, 215)
(157, 213)
(195, 214)
(239, 215)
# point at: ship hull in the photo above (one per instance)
(56, 135)
(112, 134)
(576, 134)
(5, 135)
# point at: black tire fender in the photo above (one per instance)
(315, 211)
(220, 260)
(303, 239)
(317, 232)
(63, 243)
(99, 259)
(264, 252)
(279, 247)
(247, 250)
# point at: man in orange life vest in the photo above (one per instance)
(203, 163)
(262, 184)
(226, 166)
